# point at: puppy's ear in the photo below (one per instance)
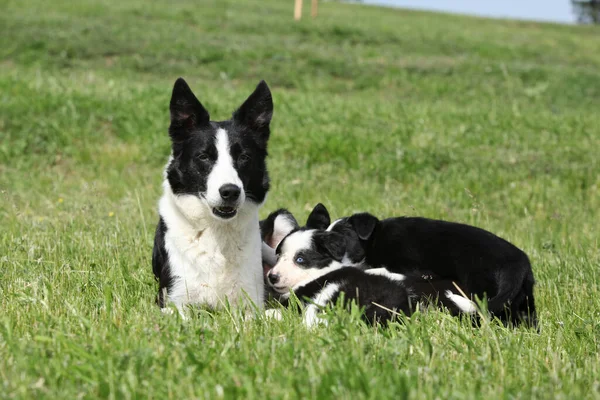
(332, 243)
(364, 224)
(187, 113)
(277, 226)
(318, 218)
(257, 110)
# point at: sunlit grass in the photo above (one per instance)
(398, 113)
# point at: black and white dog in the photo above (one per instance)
(310, 262)
(207, 247)
(481, 263)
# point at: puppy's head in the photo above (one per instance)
(306, 253)
(217, 168)
(357, 231)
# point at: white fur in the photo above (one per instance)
(319, 301)
(330, 227)
(274, 313)
(213, 261)
(346, 262)
(384, 272)
(465, 305)
(222, 173)
(282, 226)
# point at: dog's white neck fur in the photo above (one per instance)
(212, 261)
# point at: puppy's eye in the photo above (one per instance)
(244, 158)
(202, 157)
(299, 260)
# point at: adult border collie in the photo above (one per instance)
(207, 247)
(481, 263)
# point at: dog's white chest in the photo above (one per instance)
(215, 267)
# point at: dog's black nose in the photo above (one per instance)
(230, 192)
(273, 278)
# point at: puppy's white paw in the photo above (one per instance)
(311, 317)
(465, 305)
(167, 311)
(273, 313)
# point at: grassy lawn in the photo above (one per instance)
(493, 123)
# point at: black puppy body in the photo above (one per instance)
(382, 295)
(481, 263)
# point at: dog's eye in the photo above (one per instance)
(244, 158)
(299, 260)
(202, 157)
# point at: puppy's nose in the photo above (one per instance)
(230, 192)
(273, 278)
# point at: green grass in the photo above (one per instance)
(493, 123)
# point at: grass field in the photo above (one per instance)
(493, 123)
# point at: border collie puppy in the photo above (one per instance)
(381, 293)
(481, 263)
(310, 262)
(207, 247)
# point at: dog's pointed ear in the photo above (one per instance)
(187, 113)
(318, 218)
(364, 225)
(332, 243)
(257, 110)
(277, 226)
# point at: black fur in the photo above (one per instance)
(482, 263)
(381, 297)
(160, 262)
(318, 218)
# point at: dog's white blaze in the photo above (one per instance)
(300, 240)
(384, 272)
(465, 305)
(321, 299)
(223, 172)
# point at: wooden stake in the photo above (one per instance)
(313, 8)
(298, 10)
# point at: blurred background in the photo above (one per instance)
(563, 11)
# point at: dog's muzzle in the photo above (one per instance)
(230, 195)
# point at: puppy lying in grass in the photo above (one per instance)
(310, 262)
(419, 249)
